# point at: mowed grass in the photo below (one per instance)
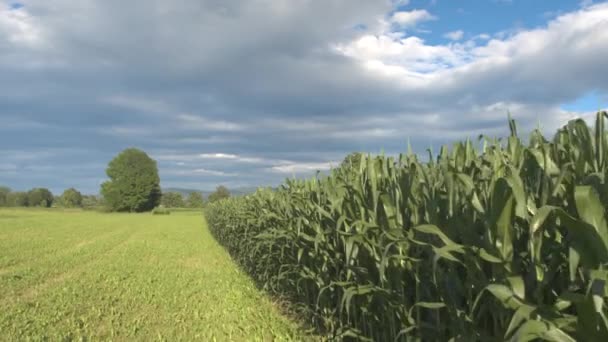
(74, 275)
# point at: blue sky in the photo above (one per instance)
(247, 93)
(475, 17)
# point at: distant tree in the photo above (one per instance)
(172, 200)
(4, 192)
(90, 201)
(71, 198)
(220, 193)
(134, 184)
(195, 200)
(17, 199)
(40, 197)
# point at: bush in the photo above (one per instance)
(502, 241)
(161, 210)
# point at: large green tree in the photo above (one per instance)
(71, 198)
(172, 200)
(220, 192)
(40, 197)
(134, 184)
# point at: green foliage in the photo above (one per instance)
(37, 197)
(161, 210)
(134, 184)
(195, 200)
(91, 201)
(220, 193)
(40, 197)
(17, 199)
(71, 198)
(502, 241)
(4, 192)
(172, 200)
(352, 160)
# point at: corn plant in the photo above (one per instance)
(484, 241)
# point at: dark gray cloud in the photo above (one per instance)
(247, 93)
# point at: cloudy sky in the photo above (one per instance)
(249, 92)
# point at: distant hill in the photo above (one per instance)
(235, 192)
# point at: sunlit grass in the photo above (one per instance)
(74, 275)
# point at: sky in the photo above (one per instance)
(250, 92)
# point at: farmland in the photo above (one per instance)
(500, 239)
(504, 239)
(70, 274)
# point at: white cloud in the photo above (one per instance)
(454, 35)
(175, 157)
(411, 18)
(302, 167)
(213, 172)
(197, 172)
(218, 156)
(409, 57)
(18, 27)
(515, 66)
(198, 122)
(482, 36)
(234, 157)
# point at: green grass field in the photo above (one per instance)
(74, 275)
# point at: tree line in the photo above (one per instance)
(133, 186)
(43, 197)
(192, 200)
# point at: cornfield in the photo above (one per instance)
(488, 241)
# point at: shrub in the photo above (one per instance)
(161, 210)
